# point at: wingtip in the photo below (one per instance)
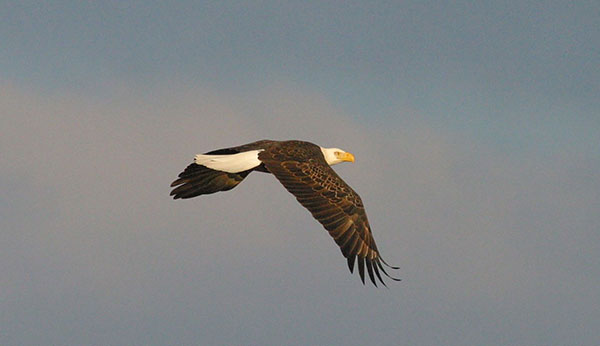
(370, 271)
(390, 266)
(374, 270)
(361, 268)
(351, 263)
(378, 275)
(378, 262)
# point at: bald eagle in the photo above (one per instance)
(305, 170)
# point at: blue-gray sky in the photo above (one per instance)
(476, 128)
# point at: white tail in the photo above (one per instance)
(233, 163)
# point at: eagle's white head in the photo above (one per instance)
(335, 155)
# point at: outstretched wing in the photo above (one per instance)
(303, 171)
(198, 180)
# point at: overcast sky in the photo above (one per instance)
(476, 131)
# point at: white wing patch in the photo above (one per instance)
(233, 163)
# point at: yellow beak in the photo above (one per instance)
(347, 157)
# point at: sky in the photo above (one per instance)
(476, 132)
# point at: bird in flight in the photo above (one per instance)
(305, 171)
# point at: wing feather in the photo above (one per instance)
(198, 180)
(303, 171)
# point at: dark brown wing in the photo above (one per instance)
(198, 180)
(303, 171)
